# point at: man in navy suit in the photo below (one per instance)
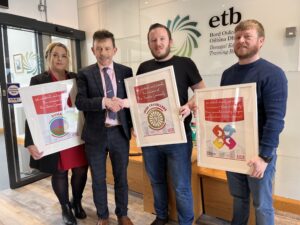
(102, 98)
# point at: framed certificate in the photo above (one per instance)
(154, 108)
(227, 133)
(54, 121)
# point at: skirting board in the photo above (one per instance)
(286, 204)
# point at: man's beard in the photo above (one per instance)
(248, 54)
(163, 56)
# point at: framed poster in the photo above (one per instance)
(18, 63)
(154, 108)
(54, 121)
(227, 132)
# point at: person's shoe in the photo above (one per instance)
(124, 220)
(102, 222)
(159, 221)
(78, 210)
(67, 215)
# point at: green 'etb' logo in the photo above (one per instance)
(185, 35)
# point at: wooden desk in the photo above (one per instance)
(134, 170)
(209, 187)
(217, 200)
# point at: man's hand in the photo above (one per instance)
(258, 167)
(184, 111)
(112, 104)
(192, 101)
(193, 106)
(133, 132)
(123, 103)
(34, 152)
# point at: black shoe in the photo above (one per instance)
(78, 210)
(67, 215)
(158, 221)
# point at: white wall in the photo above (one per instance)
(287, 179)
(62, 12)
(129, 20)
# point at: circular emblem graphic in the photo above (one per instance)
(13, 90)
(156, 119)
(186, 33)
(58, 126)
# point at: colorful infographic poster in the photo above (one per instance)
(224, 124)
(54, 121)
(56, 116)
(227, 133)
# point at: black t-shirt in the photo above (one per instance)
(186, 75)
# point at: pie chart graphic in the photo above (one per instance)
(58, 126)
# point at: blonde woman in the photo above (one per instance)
(58, 164)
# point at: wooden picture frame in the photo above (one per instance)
(154, 107)
(227, 130)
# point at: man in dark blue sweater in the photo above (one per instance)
(271, 106)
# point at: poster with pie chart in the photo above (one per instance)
(154, 107)
(54, 121)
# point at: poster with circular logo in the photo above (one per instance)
(153, 101)
(155, 108)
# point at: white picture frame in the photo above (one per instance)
(154, 107)
(18, 63)
(54, 121)
(227, 129)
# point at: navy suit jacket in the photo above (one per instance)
(89, 100)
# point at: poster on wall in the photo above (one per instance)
(154, 107)
(227, 133)
(54, 121)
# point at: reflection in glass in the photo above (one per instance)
(24, 63)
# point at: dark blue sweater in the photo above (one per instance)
(271, 89)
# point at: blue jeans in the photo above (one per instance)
(116, 145)
(240, 186)
(174, 160)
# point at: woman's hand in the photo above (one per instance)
(34, 152)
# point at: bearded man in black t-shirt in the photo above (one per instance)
(175, 159)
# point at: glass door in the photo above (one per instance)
(24, 51)
(22, 60)
(4, 181)
(22, 44)
(25, 62)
